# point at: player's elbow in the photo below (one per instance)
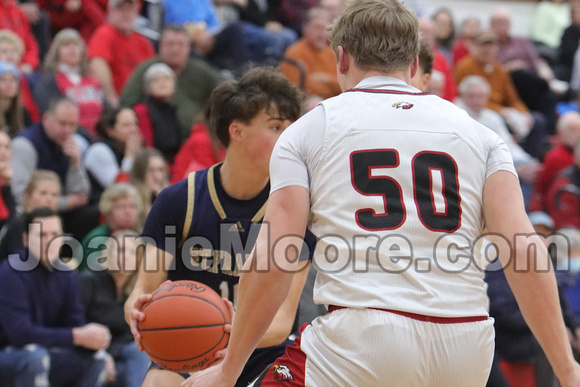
(276, 335)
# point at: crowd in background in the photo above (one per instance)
(97, 116)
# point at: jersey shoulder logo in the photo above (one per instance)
(237, 227)
(403, 105)
(282, 373)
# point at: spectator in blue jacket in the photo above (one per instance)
(43, 335)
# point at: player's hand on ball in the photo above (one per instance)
(137, 315)
(211, 377)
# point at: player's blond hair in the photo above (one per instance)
(379, 34)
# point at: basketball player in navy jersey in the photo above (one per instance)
(397, 185)
(214, 215)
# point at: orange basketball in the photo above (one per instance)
(184, 326)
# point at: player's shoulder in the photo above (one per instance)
(181, 188)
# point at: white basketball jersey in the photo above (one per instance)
(396, 200)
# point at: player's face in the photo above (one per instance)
(260, 136)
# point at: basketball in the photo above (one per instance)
(184, 326)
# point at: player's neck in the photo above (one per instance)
(241, 183)
(358, 75)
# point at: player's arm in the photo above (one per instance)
(281, 326)
(535, 291)
(263, 289)
(152, 273)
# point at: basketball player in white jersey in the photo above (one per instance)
(398, 186)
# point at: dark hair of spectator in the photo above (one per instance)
(141, 163)
(447, 41)
(38, 213)
(260, 88)
(426, 58)
(108, 120)
(14, 117)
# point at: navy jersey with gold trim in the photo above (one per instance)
(222, 230)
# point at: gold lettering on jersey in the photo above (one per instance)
(215, 261)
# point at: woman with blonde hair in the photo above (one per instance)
(43, 190)
(119, 205)
(67, 74)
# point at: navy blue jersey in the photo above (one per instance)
(210, 235)
(222, 230)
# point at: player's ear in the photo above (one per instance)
(235, 129)
(414, 66)
(343, 60)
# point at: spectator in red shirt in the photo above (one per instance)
(14, 19)
(83, 15)
(470, 28)
(557, 159)
(115, 50)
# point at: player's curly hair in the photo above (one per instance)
(379, 34)
(260, 88)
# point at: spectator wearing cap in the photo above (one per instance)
(468, 31)
(83, 15)
(11, 50)
(195, 79)
(115, 50)
(530, 130)
(14, 19)
(13, 116)
(67, 74)
(157, 116)
(315, 55)
(483, 62)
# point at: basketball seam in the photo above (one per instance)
(184, 327)
(191, 358)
